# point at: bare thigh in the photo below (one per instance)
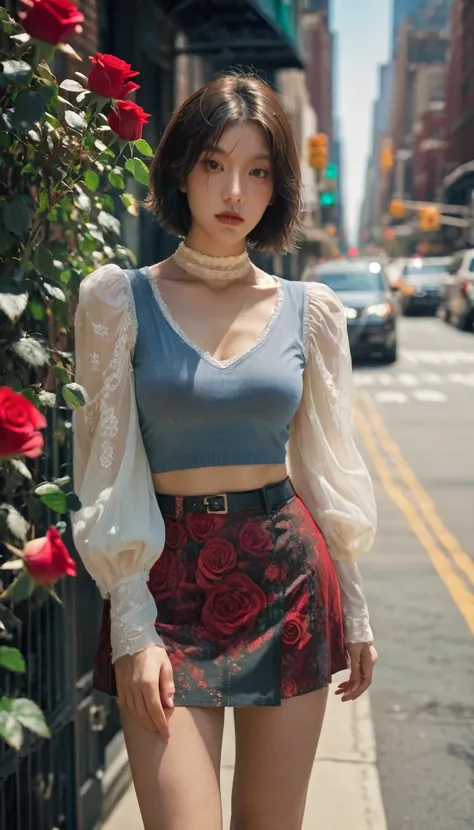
(178, 783)
(275, 751)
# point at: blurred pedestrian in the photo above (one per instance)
(223, 499)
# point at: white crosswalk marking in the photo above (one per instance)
(438, 358)
(408, 380)
(391, 397)
(429, 396)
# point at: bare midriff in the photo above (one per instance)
(212, 480)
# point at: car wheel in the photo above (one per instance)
(390, 354)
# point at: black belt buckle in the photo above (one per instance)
(217, 504)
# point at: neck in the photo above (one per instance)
(210, 267)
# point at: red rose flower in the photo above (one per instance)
(203, 526)
(254, 539)
(272, 572)
(216, 559)
(19, 425)
(166, 576)
(47, 558)
(110, 77)
(232, 605)
(127, 119)
(290, 687)
(52, 20)
(176, 537)
(295, 630)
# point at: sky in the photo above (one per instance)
(363, 30)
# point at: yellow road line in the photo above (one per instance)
(461, 595)
(426, 504)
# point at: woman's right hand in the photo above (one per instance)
(145, 687)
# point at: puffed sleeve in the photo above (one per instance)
(325, 466)
(119, 530)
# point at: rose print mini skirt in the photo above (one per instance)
(248, 607)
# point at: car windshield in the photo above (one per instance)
(352, 280)
(431, 269)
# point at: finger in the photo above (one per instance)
(142, 714)
(357, 692)
(155, 710)
(167, 685)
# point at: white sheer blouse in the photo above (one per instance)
(119, 531)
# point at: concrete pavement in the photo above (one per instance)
(344, 789)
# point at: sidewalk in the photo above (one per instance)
(344, 790)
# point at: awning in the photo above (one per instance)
(259, 33)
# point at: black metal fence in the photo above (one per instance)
(56, 783)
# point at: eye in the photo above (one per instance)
(211, 164)
(259, 173)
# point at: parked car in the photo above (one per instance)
(421, 284)
(457, 300)
(371, 313)
(394, 271)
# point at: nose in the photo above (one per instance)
(233, 191)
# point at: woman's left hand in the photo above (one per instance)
(363, 657)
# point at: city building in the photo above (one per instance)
(427, 15)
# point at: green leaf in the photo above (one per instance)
(29, 109)
(17, 217)
(61, 374)
(8, 619)
(144, 148)
(75, 120)
(12, 659)
(21, 468)
(11, 730)
(5, 141)
(91, 180)
(116, 181)
(83, 202)
(109, 223)
(23, 38)
(13, 301)
(46, 398)
(30, 716)
(36, 309)
(71, 86)
(16, 72)
(74, 395)
(48, 91)
(139, 170)
(106, 202)
(73, 502)
(20, 589)
(52, 497)
(44, 261)
(31, 351)
(65, 276)
(127, 199)
(43, 200)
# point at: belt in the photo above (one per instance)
(269, 498)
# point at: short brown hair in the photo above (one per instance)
(199, 122)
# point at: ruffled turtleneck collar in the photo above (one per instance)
(212, 267)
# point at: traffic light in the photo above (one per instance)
(429, 218)
(317, 151)
(386, 158)
(397, 209)
(331, 172)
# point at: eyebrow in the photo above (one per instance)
(213, 148)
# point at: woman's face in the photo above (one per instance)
(230, 187)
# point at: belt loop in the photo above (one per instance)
(265, 500)
(179, 507)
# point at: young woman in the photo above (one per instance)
(223, 498)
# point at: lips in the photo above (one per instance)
(229, 218)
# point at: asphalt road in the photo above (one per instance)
(416, 430)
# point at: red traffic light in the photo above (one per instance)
(353, 251)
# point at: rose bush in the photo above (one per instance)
(61, 192)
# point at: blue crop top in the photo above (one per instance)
(195, 411)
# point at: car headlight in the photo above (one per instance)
(379, 310)
(351, 313)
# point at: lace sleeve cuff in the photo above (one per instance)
(354, 606)
(132, 617)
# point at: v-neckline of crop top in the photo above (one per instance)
(218, 364)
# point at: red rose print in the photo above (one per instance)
(110, 77)
(166, 576)
(19, 425)
(295, 630)
(216, 559)
(272, 572)
(253, 538)
(232, 605)
(176, 536)
(203, 526)
(290, 687)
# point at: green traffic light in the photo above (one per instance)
(331, 171)
(327, 199)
